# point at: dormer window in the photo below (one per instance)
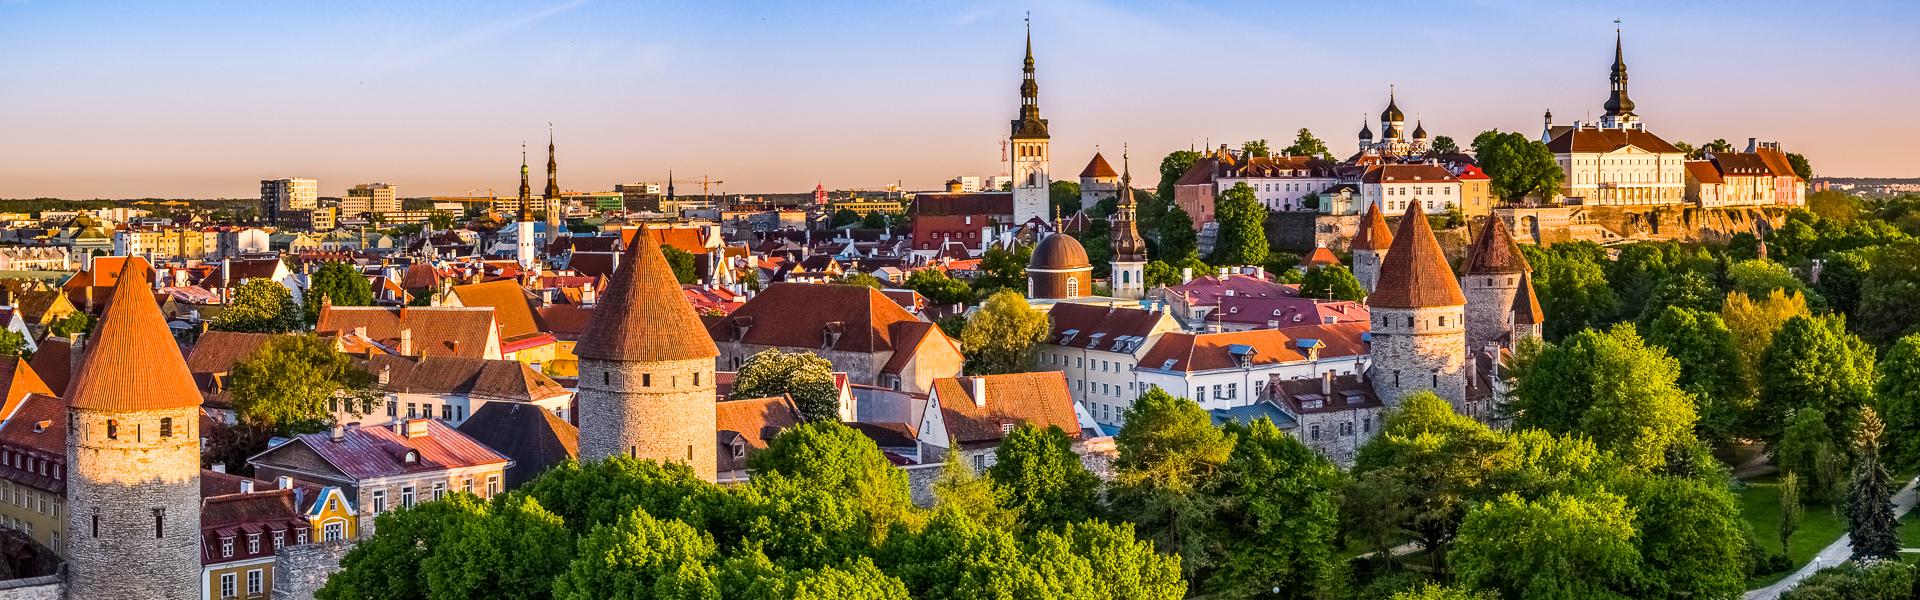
(739, 450)
(412, 457)
(1006, 428)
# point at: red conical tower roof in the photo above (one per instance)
(132, 362)
(1494, 252)
(1415, 273)
(643, 315)
(1373, 234)
(1098, 167)
(1526, 305)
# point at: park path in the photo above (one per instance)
(1835, 553)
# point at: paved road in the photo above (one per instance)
(1835, 553)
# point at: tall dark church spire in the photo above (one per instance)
(1029, 125)
(553, 168)
(1618, 105)
(526, 191)
(1128, 246)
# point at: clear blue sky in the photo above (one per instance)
(197, 99)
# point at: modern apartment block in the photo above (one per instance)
(375, 198)
(289, 194)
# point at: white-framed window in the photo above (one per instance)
(379, 501)
(253, 543)
(439, 489)
(256, 582)
(493, 485)
(300, 536)
(226, 547)
(333, 531)
(279, 539)
(406, 496)
(229, 585)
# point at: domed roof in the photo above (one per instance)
(1058, 252)
(1392, 113)
(1365, 133)
(1419, 131)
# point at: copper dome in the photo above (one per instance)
(1058, 252)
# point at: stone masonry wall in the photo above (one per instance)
(1366, 267)
(1489, 307)
(48, 587)
(300, 570)
(652, 410)
(1426, 356)
(122, 480)
(1295, 231)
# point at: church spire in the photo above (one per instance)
(526, 191)
(553, 168)
(1619, 107)
(1128, 246)
(1029, 125)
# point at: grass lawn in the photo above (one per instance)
(1819, 525)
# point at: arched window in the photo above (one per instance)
(1073, 287)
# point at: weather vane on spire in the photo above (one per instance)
(1616, 25)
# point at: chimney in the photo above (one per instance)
(219, 467)
(339, 433)
(283, 482)
(386, 374)
(979, 384)
(400, 428)
(1326, 383)
(246, 486)
(406, 341)
(1186, 275)
(1753, 144)
(546, 297)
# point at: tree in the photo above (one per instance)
(1517, 165)
(1172, 167)
(1001, 335)
(938, 288)
(1305, 144)
(1178, 239)
(1444, 145)
(803, 376)
(962, 492)
(1256, 148)
(1872, 580)
(1277, 498)
(1814, 362)
(1886, 299)
(1332, 282)
(1717, 146)
(1691, 538)
(1710, 369)
(640, 557)
(863, 280)
(1801, 167)
(843, 218)
(1242, 235)
(1438, 459)
(1063, 197)
(837, 460)
(75, 322)
(874, 220)
(1899, 400)
(1159, 273)
(390, 565)
(1434, 591)
(1043, 478)
(1758, 278)
(1572, 285)
(1003, 269)
(339, 283)
(1526, 549)
(1610, 386)
(260, 305)
(296, 384)
(1870, 524)
(1808, 447)
(1753, 323)
(685, 266)
(1168, 449)
(12, 343)
(512, 552)
(1842, 277)
(1790, 508)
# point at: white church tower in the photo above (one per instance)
(1030, 153)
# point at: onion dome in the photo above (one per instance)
(1365, 133)
(1419, 131)
(1058, 252)
(1392, 113)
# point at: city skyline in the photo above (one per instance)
(206, 101)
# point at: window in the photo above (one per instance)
(229, 585)
(696, 378)
(446, 412)
(253, 543)
(332, 532)
(254, 582)
(279, 539)
(1366, 425)
(226, 547)
(166, 427)
(466, 485)
(1313, 432)
(406, 497)
(411, 411)
(113, 429)
(493, 485)
(1233, 391)
(439, 489)
(96, 522)
(300, 537)
(379, 501)
(159, 523)
(393, 409)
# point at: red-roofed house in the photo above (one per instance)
(1096, 347)
(971, 415)
(1227, 370)
(858, 329)
(381, 468)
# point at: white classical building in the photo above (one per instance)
(1616, 162)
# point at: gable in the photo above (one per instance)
(296, 456)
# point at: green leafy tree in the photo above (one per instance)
(339, 283)
(76, 322)
(1434, 591)
(260, 305)
(1003, 269)
(1691, 538)
(1790, 508)
(843, 218)
(1063, 197)
(1524, 549)
(1332, 282)
(1610, 386)
(1277, 499)
(640, 557)
(873, 220)
(1800, 166)
(1518, 165)
(801, 375)
(512, 552)
(962, 492)
(1843, 275)
(863, 280)
(1809, 447)
(1572, 286)
(834, 458)
(1439, 459)
(1256, 148)
(391, 565)
(12, 343)
(1172, 167)
(1870, 526)
(938, 288)
(1168, 450)
(1814, 360)
(1753, 323)
(1305, 144)
(1159, 273)
(1445, 145)
(1686, 290)
(1899, 399)
(1757, 278)
(1000, 336)
(1872, 580)
(685, 266)
(1710, 369)
(1043, 478)
(1178, 239)
(1886, 299)
(296, 384)
(1242, 235)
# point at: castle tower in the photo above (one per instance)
(1030, 183)
(646, 369)
(1098, 182)
(552, 194)
(1419, 329)
(1528, 320)
(1491, 280)
(133, 458)
(1619, 107)
(1370, 246)
(523, 222)
(1128, 279)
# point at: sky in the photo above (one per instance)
(205, 99)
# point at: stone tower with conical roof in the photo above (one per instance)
(1128, 276)
(1419, 321)
(646, 369)
(1370, 246)
(1491, 280)
(133, 457)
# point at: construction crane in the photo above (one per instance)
(706, 182)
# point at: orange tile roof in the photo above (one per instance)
(132, 362)
(20, 381)
(1415, 273)
(1320, 257)
(1098, 167)
(798, 315)
(1526, 304)
(1494, 251)
(755, 421)
(643, 316)
(512, 306)
(437, 330)
(53, 363)
(1373, 234)
(1038, 399)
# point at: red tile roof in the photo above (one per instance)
(512, 306)
(967, 203)
(1594, 139)
(1493, 251)
(1373, 234)
(18, 380)
(218, 351)
(754, 422)
(1704, 171)
(37, 422)
(369, 452)
(1526, 305)
(1100, 327)
(1400, 173)
(1098, 167)
(437, 330)
(132, 362)
(1288, 311)
(502, 379)
(53, 363)
(1038, 399)
(1320, 257)
(800, 315)
(643, 316)
(1415, 273)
